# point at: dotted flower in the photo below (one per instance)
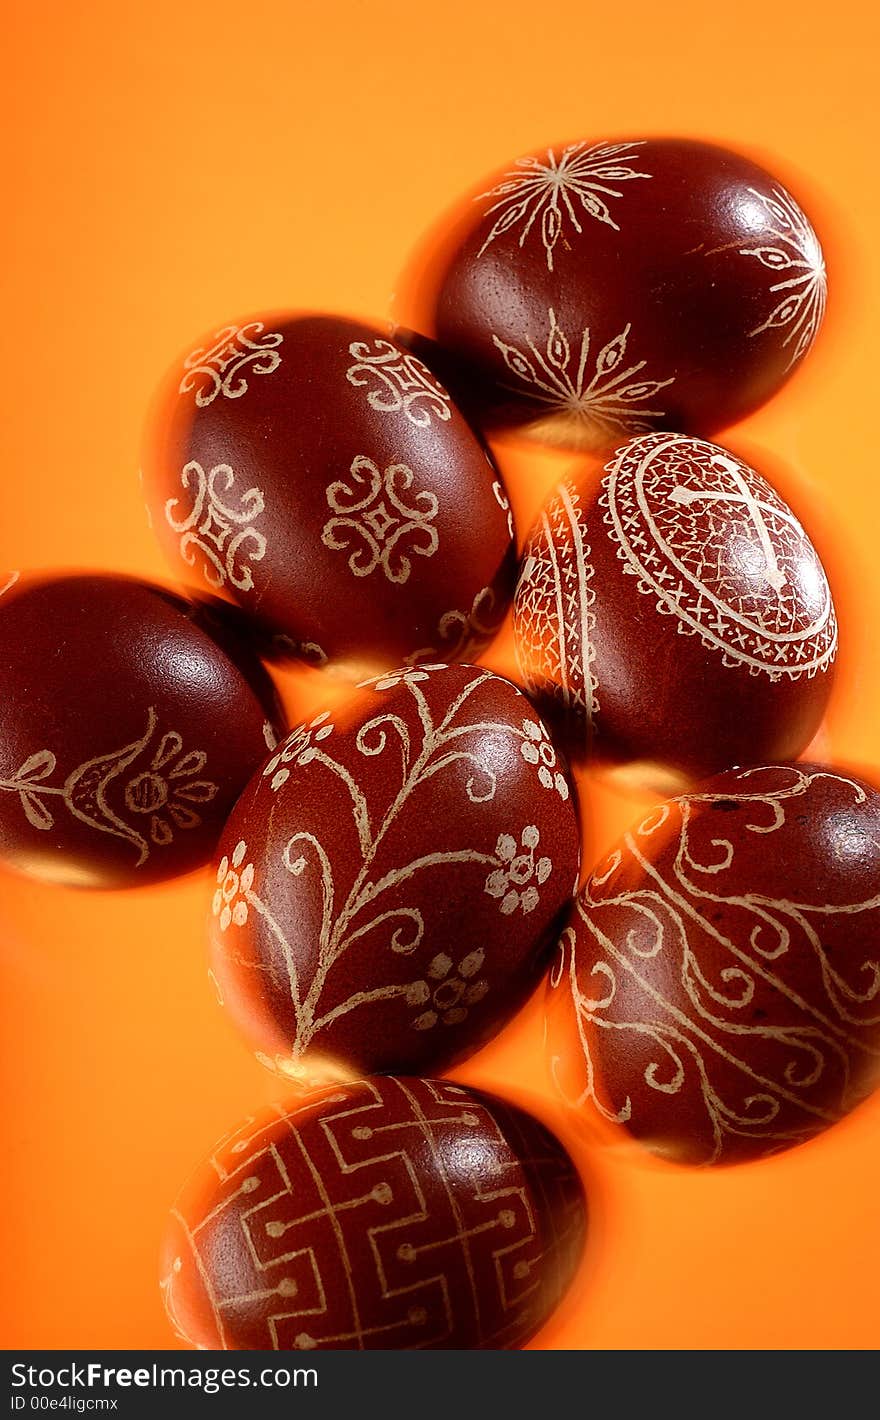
(300, 747)
(233, 885)
(513, 881)
(450, 992)
(410, 676)
(537, 748)
(168, 789)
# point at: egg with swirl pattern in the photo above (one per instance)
(317, 474)
(391, 883)
(399, 1214)
(131, 719)
(674, 615)
(717, 989)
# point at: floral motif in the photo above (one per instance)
(537, 748)
(792, 250)
(165, 790)
(218, 531)
(233, 885)
(392, 679)
(381, 911)
(169, 788)
(448, 990)
(384, 529)
(579, 178)
(513, 881)
(300, 747)
(400, 382)
(217, 369)
(607, 402)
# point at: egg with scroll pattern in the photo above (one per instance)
(676, 614)
(717, 988)
(601, 289)
(315, 473)
(130, 721)
(391, 883)
(397, 1214)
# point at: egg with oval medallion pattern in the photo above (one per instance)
(675, 614)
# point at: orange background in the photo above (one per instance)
(169, 166)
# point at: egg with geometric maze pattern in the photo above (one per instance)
(395, 1214)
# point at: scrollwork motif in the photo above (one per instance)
(725, 952)
(223, 534)
(384, 528)
(220, 368)
(401, 383)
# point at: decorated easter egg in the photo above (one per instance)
(603, 289)
(717, 990)
(397, 1214)
(318, 475)
(130, 721)
(391, 882)
(677, 613)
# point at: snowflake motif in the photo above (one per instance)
(513, 881)
(607, 401)
(448, 991)
(537, 748)
(580, 175)
(168, 789)
(300, 747)
(233, 885)
(796, 255)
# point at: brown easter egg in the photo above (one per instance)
(130, 721)
(391, 883)
(718, 988)
(678, 613)
(605, 289)
(398, 1214)
(318, 475)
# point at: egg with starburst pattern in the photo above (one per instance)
(601, 289)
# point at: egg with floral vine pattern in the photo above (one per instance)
(391, 881)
